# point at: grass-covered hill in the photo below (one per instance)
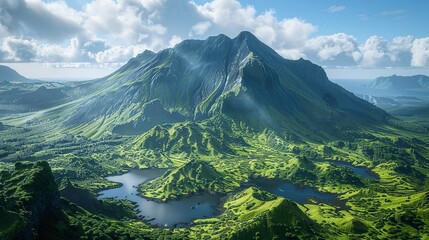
(29, 198)
(189, 138)
(193, 177)
(254, 213)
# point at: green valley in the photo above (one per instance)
(215, 116)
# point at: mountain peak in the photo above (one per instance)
(246, 35)
(10, 75)
(240, 78)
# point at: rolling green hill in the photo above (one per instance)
(193, 177)
(255, 213)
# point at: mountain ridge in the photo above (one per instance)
(10, 75)
(400, 83)
(240, 77)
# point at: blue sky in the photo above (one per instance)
(363, 18)
(91, 38)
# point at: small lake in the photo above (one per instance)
(293, 192)
(172, 213)
(361, 171)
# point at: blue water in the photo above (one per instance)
(293, 192)
(176, 213)
(361, 171)
(171, 213)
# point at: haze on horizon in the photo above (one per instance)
(86, 39)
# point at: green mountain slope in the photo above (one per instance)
(266, 216)
(192, 177)
(241, 78)
(29, 199)
(188, 138)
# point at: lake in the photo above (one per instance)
(177, 213)
(172, 213)
(361, 171)
(291, 191)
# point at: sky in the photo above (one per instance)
(86, 39)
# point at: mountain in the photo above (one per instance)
(10, 75)
(267, 216)
(400, 83)
(240, 78)
(15, 98)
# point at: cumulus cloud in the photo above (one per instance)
(122, 20)
(25, 50)
(374, 52)
(201, 27)
(230, 17)
(337, 49)
(115, 54)
(400, 51)
(113, 31)
(420, 52)
(51, 21)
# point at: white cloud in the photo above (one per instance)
(174, 40)
(335, 8)
(230, 17)
(201, 27)
(340, 48)
(294, 32)
(119, 54)
(51, 21)
(228, 14)
(24, 50)
(400, 51)
(293, 54)
(420, 52)
(112, 31)
(374, 52)
(121, 20)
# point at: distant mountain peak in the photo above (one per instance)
(246, 35)
(400, 83)
(10, 75)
